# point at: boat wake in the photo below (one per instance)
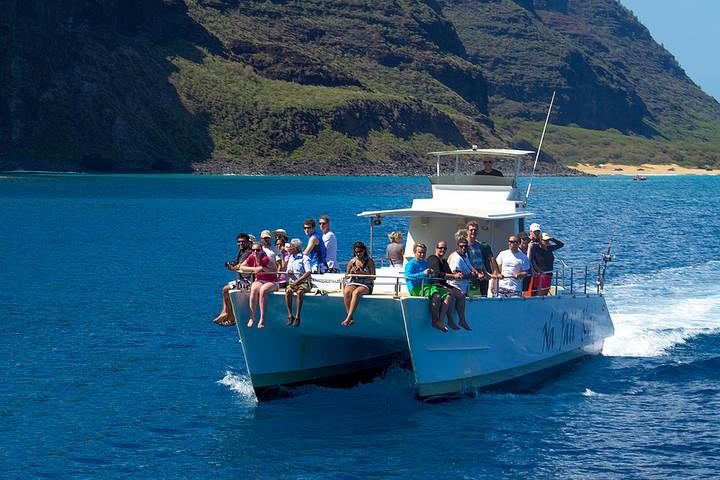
(239, 384)
(655, 312)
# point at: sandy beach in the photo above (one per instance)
(644, 169)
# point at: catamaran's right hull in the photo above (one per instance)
(511, 338)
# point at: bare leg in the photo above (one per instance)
(264, 292)
(435, 313)
(288, 304)
(356, 293)
(254, 294)
(226, 317)
(460, 308)
(300, 295)
(450, 301)
(445, 306)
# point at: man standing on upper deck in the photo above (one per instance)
(330, 242)
(488, 169)
(315, 249)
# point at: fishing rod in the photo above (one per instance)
(604, 260)
(537, 154)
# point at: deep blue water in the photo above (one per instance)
(110, 365)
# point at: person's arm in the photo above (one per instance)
(411, 273)
(558, 244)
(350, 264)
(312, 242)
(371, 266)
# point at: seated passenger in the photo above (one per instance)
(459, 264)
(265, 282)
(357, 286)
(417, 276)
(514, 265)
(226, 318)
(442, 270)
(282, 246)
(298, 270)
(395, 251)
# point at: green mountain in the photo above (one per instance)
(342, 86)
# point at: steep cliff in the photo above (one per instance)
(348, 86)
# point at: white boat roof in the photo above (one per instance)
(497, 152)
(458, 211)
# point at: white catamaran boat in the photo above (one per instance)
(516, 338)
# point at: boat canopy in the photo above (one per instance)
(497, 152)
(458, 211)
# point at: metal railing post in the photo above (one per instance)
(585, 281)
(572, 272)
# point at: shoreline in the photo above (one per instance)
(645, 169)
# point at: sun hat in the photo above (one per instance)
(534, 226)
(280, 230)
(546, 236)
(265, 234)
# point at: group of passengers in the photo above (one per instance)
(268, 265)
(524, 268)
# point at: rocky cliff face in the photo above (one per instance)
(327, 87)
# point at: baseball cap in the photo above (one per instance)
(534, 226)
(265, 234)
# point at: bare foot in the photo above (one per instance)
(220, 319)
(261, 323)
(453, 325)
(250, 322)
(440, 327)
(297, 322)
(291, 320)
(347, 322)
(465, 325)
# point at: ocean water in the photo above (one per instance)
(110, 366)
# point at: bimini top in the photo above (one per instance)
(445, 212)
(497, 152)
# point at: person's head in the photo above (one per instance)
(309, 226)
(440, 248)
(243, 240)
(461, 234)
(535, 232)
(461, 246)
(472, 228)
(295, 245)
(488, 164)
(360, 250)
(266, 237)
(257, 250)
(545, 240)
(324, 223)
(524, 240)
(513, 243)
(419, 249)
(286, 247)
(395, 236)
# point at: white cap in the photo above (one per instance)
(534, 226)
(265, 234)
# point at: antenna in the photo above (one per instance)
(604, 260)
(537, 154)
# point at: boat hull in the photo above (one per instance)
(511, 338)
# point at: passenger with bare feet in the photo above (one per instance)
(360, 280)
(263, 267)
(298, 271)
(417, 279)
(226, 318)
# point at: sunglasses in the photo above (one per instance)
(257, 249)
(487, 162)
(441, 248)
(307, 228)
(322, 223)
(513, 241)
(462, 245)
(357, 252)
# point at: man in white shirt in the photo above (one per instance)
(330, 243)
(514, 265)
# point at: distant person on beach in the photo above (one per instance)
(359, 282)
(264, 268)
(542, 263)
(226, 318)
(298, 270)
(395, 251)
(315, 249)
(488, 169)
(417, 279)
(514, 265)
(330, 241)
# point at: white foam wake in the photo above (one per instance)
(653, 312)
(239, 384)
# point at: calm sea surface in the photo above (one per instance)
(110, 365)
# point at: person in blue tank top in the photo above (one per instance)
(315, 249)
